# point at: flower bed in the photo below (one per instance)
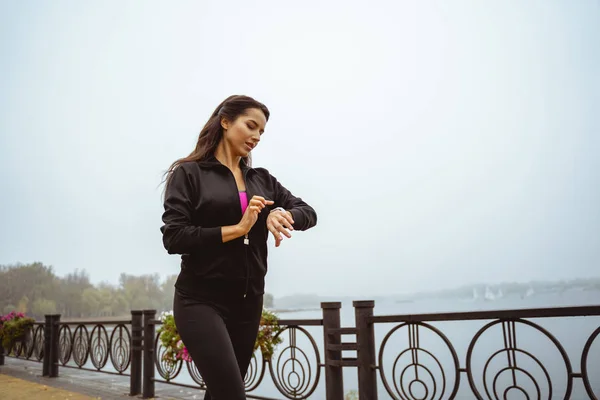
(14, 328)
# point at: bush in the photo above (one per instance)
(351, 395)
(268, 329)
(14, 327)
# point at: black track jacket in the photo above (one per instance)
(200, 198)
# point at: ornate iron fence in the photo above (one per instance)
(293, 372)
(511, 354)
(32, 348)
(111, 347)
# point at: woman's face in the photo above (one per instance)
(243, 134)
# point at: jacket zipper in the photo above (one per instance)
(246, 243)
(246, 240)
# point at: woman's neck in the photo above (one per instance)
(226, 157)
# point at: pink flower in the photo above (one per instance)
(12, 315)
(184, 355)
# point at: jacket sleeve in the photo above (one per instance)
(180, 236)
(304, 215)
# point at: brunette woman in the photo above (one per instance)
(219, 211)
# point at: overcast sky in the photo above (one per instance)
(441, 143)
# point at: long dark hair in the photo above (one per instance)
(212, 133)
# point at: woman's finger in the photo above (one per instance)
(261, 200)
(257, 203)
(275, 232)
(254, 208)
(286, 222)
(285, 232)
(280, 228)
(274, 226)
(288, 217)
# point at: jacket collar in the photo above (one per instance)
(211, 162)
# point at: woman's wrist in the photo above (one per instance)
(232, 232)
(288, 212)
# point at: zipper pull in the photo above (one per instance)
(246, 240)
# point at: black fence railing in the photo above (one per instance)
(110, 347)
(294, 374)
(512, 354)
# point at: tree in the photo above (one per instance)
(168, 291)
(23, 303)
(22, 284)
(141, 291)
(36, 290)
(91, 301)
(9, 308)
(72, 288)
(120, 306)
(41, 307)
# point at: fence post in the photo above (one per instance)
(1, 354)
(334, 377)
(149, 336)
(47, 345)
(365, 337)
(137, 327)
(54, 346)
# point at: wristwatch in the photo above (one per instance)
(278, 208)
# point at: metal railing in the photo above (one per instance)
(425, 365)
(500, 363)
(306, 374)
(110, 347)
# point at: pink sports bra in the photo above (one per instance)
(243, 201)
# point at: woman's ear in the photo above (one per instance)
(224, 123)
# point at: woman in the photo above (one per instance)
(218, 215)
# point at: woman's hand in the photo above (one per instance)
(255, 205)
(278, 223)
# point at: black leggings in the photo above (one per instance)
(220, 338)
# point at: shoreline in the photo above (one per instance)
(291, 310)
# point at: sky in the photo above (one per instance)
(441, 143)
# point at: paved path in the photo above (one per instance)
(24, 381)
